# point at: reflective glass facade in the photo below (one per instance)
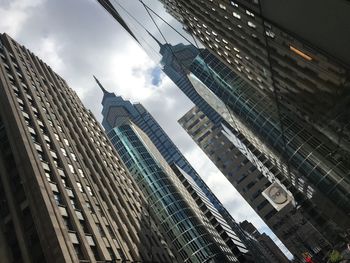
(116, 110)
(187, 233)
(317, 178)
(301, 153)
(279, 56)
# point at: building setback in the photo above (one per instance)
(65, 195)
(247, 174)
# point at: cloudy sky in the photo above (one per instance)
(78, 39)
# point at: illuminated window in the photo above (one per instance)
(234, 4)
(236, 15)
(222, 6)
(300, 53)
(251, 24)
(270, 33)
(249, 13)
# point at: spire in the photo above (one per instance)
(158, 42)
(101, 87)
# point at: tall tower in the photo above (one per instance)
(117, 111)
(178, 214)
(298, 153)
(65, 195)
(252, 176)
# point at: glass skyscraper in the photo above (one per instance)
(305, 72)
(167, 197)
(116, 111)
(302, 155)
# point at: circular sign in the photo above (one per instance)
(277, 194)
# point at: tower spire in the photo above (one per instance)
(100, 85)
(155, 39)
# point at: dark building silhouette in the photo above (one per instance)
(269, 247)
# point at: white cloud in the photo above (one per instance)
(14, 14)
(50, 50)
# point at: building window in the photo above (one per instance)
(270, 33)
(71, 168)
(80, 187)
(234, 4)
(300, 53)
(58, 198)
(222, 6)
(249, 13)
(251, 24)
(236, 15)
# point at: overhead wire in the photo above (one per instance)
(140, 24)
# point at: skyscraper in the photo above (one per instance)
(212, 86)
(295, 62)
(266, 242)
(65, 195)
(278, 96)
(303, 156)
(116, 110)
(179, 216)
(252, 179)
